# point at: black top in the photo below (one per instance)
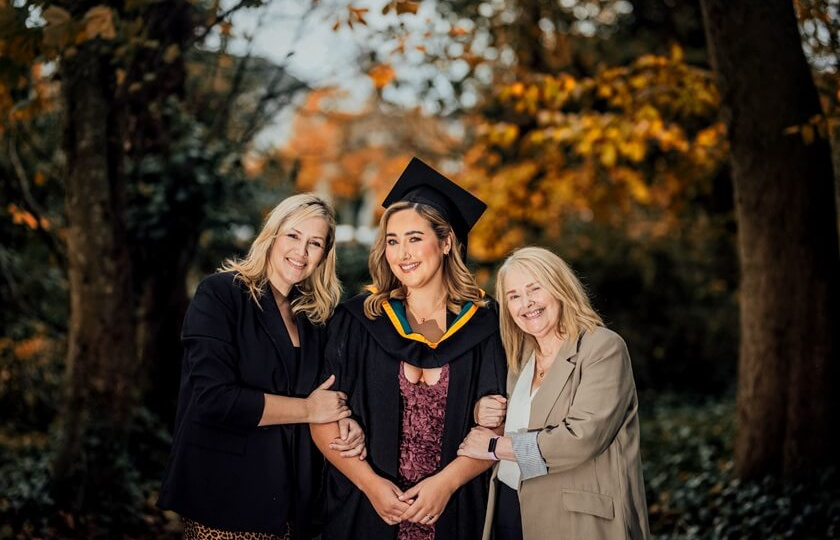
(224, 471)
(365, 356)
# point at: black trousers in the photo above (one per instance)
(507, 521)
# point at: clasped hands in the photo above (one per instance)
(425, 501)
(422, 503)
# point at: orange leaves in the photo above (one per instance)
(59, 30)
(353, 15)
(25, 218)
(816, 126)
(62, 30)
(401, 7)
(30, 347)
(382, 75)
(99, 23)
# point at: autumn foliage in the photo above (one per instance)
(630, 141)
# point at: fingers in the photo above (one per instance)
(343, 430)
(352, 452)
(327, 384)
(500, 399)
(410, 493)
(363, 455)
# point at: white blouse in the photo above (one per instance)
(518, 416)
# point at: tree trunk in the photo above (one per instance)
(787, 233)
(101, 351)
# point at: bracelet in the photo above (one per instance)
(491, 448)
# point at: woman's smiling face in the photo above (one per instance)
(414, 252)
(534, 310)
(296, 252)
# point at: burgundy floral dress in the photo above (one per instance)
(421, 432)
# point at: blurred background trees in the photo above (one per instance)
(136, 153)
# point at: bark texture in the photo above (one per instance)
(787, 234)
(101, 351)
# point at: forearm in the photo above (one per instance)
(284, 410)
(357, 471)
(463, 469)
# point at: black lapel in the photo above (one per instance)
(272, 322)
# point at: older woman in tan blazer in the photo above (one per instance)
(569, 460)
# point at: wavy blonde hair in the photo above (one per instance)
(321, 291)
(459, 282)
(551, 272)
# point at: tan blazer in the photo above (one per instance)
(586, 413)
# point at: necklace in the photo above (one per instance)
(540, 371)
(422, 320)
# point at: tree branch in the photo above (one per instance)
(32, 205)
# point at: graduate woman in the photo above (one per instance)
(570, 465)
(414, 355)
(242, 464)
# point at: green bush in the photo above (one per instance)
(692, 492)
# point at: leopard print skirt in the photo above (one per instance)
(196, 531)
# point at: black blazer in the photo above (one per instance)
(225, 471)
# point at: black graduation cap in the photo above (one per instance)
(422, 184)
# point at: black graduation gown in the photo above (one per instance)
(365, 356)
(224, 471)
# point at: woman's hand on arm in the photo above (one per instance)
(490, 411)
(478, 439)
(351, 440)
(322, 405)
(382, 494)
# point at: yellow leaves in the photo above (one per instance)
(382, 75)
(502, 134)
(608, 155)
(633, 149)
(677, 53)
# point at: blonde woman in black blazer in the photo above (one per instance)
(242, 463)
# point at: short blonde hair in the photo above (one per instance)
(459, 282)
(552, 273)
(321, 291)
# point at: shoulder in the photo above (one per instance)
(354, 305)
(350, 311)
(222, 286)
(602, 342)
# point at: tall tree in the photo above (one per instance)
(788, 386)
(100, 355)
